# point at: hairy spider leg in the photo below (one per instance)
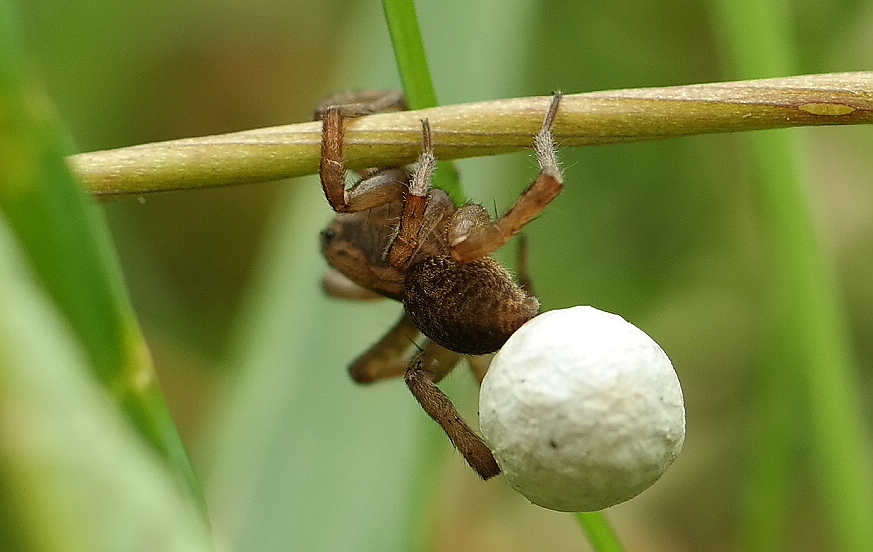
(521, 266)
(479, 365)
(422, 382)
(379, 186)
(356, 104)
(332, 169)
(387, 358)
(336, 284)
(482, 241)
(412, 219)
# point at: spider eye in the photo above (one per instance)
(328, 234)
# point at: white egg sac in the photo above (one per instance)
(582, 410)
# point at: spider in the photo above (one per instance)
(395, 236)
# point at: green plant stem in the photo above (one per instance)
(417, 83)
(599, 531)
(772, 458)
(409, 53)
(402, 22)
(482, 128)
(809, 331)
(812, 337)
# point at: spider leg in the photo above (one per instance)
(387, 358)
(422, 382)
(337, 284)
(438, 360)
(482, 240)
(412, 219)
(521, 266)
(379, 188)
(356, 104)
(479, 365)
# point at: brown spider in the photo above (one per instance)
(397, 237)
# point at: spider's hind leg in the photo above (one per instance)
(336, 284)
(421, 381)
(388, 357)
(356, 104)
(521, 268)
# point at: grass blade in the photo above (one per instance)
(599, 531)
(809, 322)
(418, 86)
(76, 476)
(66, 241)
(409, 53)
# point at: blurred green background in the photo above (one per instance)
(252, 357)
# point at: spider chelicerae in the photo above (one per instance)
(395, 236)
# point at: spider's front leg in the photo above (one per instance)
(471, 239)
(379, 187)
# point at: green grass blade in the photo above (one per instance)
(810, 325)
(66, 241)
(409, 53)
(75, 476)
(768, 486)
(599, 531)
(417, 83)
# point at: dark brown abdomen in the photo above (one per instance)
(471, 308)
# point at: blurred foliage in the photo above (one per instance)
(74, 475)
(251, 356)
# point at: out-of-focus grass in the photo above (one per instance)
(89, 450)
(807, 336)
(666, 233)
(65, 239)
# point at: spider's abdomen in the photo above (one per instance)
(470, 308)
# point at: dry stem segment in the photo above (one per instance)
(482, 128)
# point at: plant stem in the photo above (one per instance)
(600, 533)
(417, 83)
(482, 128)
(409, 53)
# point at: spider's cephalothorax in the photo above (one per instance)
(397, 237)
